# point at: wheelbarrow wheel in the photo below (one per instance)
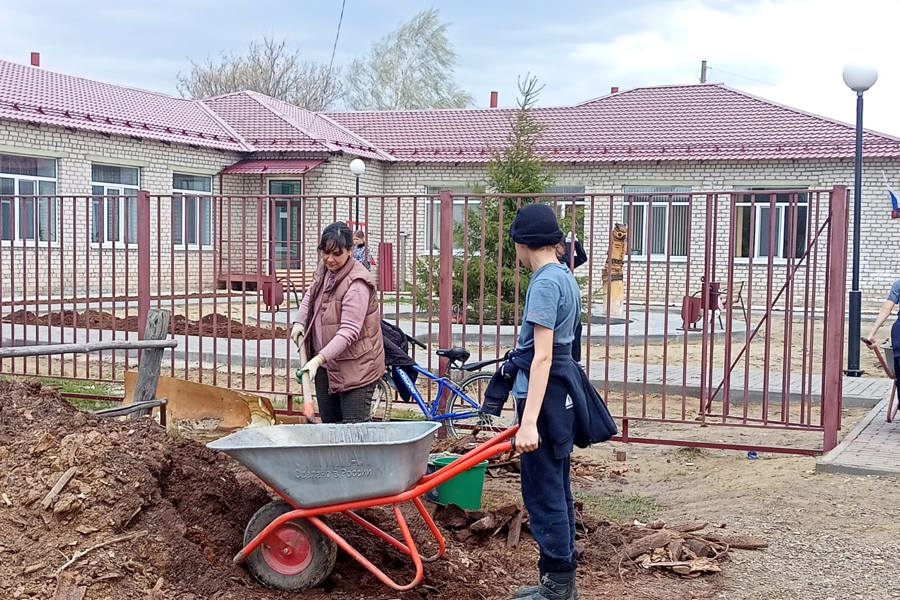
(297, 556)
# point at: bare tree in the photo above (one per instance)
(410, 68)
(269, 67)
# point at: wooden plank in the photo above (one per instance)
(49, 349)
(151, 360)
(57, 488)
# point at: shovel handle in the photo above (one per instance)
(310, 407)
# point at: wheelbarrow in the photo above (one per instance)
(325, 470)
(889, 371)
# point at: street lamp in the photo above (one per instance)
(357, 167)
(858, 78)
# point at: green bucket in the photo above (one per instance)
(465, 489)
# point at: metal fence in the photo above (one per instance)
(732, 305)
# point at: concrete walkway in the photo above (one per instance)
(872, 448)
(276, 354)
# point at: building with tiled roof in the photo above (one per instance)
(213, 159)
(665, 123)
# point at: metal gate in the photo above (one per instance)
(733, 314)
(731, 323)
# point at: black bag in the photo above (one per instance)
(593, 422)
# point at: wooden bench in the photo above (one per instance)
(301, 280)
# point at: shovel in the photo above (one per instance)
(310, 407)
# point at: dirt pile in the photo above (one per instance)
(95, 509)
(213, 325)
(142, 516)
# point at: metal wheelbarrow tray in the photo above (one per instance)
(314, 465)
(321, 470)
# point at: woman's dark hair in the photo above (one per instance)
(336, 236)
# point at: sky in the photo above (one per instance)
(787, 51)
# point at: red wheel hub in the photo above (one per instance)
(287, 550)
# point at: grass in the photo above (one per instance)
(75, 386)
(619, 508)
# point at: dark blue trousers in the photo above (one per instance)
(547, 491)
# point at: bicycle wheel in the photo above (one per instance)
(474, 387)
(382, 399)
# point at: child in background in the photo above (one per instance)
(360, 251)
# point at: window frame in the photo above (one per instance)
(663, 191)
(123, 200)
(563, 203)
(17, 198)
(181, 196)
(286, 250)
(781, 210)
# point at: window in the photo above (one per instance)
(192, 219)
(572, 196)
(286, 222)
(28, 208)
(114, 208)
(756, 222)
(564, 205)
(433, 232)
(658, 220)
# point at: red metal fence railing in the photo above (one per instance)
(731, 323)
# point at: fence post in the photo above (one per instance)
(143, 235)
(445, 287)
(832, 371)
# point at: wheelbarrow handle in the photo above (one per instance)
(310, 406)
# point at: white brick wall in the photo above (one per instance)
(396, 213)
(76, 266)
(879, 251)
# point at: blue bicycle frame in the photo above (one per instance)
(444, 384)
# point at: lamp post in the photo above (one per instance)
(357, 167)
(858, 78)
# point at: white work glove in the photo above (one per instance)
(298, 332)
(311, 366)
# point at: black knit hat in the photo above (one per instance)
(535, 226)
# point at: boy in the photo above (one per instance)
(547, 419)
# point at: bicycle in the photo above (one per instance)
(462, 414)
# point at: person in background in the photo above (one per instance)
(892, 300)
(564, 248)
(339, 320)
(563, 253)
(361, 251)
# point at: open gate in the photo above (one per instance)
(732, 322)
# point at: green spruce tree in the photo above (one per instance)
(515, 169)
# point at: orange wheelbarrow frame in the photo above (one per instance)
(495, 446)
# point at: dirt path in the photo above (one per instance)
(831, 536)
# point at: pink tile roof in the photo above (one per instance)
(40, 96)
(682, 122)
(685, 122)
(244, 121)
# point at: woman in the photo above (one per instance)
(339, 320)
(893, 298)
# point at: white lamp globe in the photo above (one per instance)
(859, 77)
(357, 166)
